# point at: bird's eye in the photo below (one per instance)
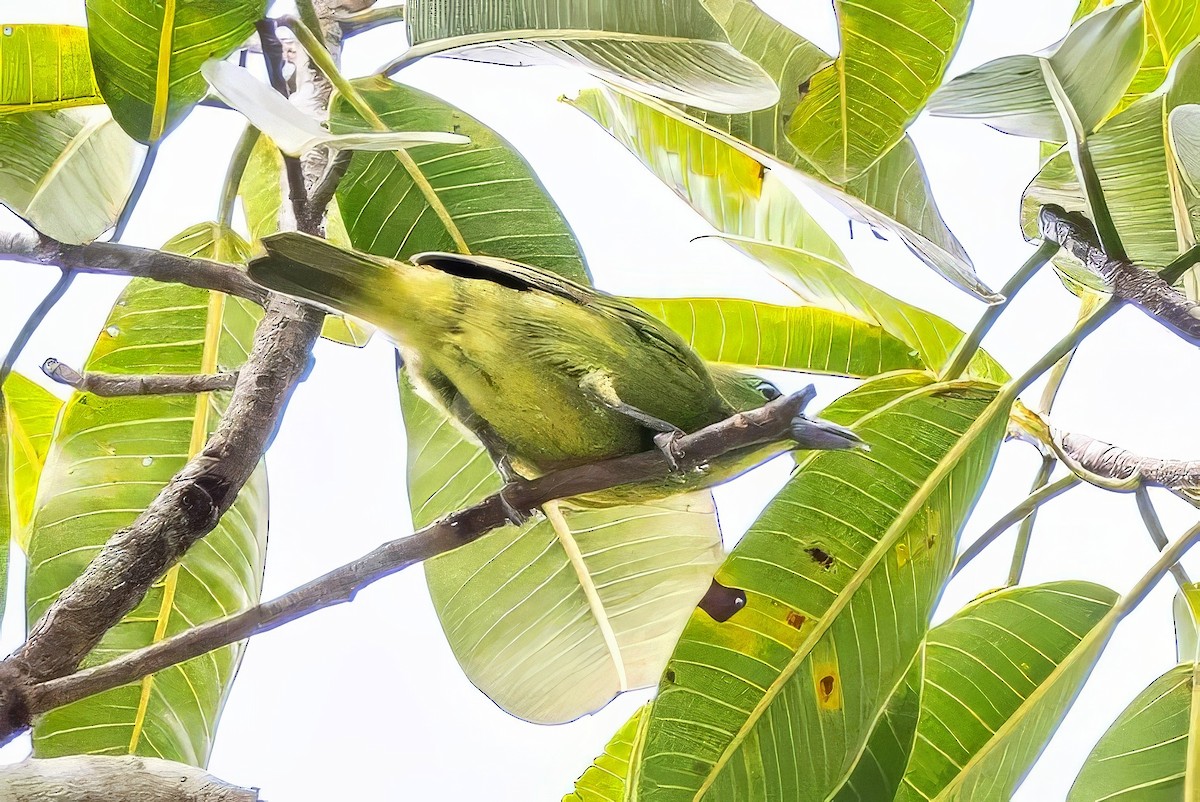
(769, 391)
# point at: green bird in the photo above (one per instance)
(544, 372)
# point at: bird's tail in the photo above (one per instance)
(315, 270)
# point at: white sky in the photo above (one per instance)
(365, 701)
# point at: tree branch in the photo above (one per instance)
(117, 384)
(106, 258)
(768, 424)
(1143, 288)
(97, 778)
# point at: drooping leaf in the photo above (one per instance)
(67, 172)
(1183, 130)
(1186, 608)
(108, 460)
(612, 773)
(832, 287)
(1142, 185)
(839, 574)
(893, 55)
(1144, 754)
(478, 198)
(759, 335)
(44, 68)
(293, 131)
(30, 412)
(675, 50)
(997, 682)
(880, 769)
(1087, 74)
(147, 55)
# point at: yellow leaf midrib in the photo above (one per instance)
(199, 434)
(162, 81)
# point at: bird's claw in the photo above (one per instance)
(668, 444)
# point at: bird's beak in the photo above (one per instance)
(815, 434)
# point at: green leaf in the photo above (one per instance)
(614, 771)
(477, 198)
(45, 67)
(1144, 754)
(675, 50)
(893, 55)
(108, 460)
(997, 681)
(1086, 74)
(31, 412)
(147, 55)
(758, 335)
(820, 282)
(551, 620)
(1186, 609)
(67, 172)
(880, 769)
(840, 574)
(1142, 184)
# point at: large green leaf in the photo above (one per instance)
(1086, 75)
(108, 460)
(673, 50)
(880, 769)
(610, 774)
(1141, 182)
(45, 67)
(830, 286)
(993, 691)
(479, 198)
(553, 619)
(759, 335)
(839, 574)
(147, 55)
(893, 55)
(1143, 756)
(30, 414)
(66, 172)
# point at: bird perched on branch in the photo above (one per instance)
(545, 373)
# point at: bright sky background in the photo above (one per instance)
(365, 701)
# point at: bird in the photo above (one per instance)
(544, 372)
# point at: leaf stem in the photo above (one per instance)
(1170, 557)
(363, 21)
(1025, 533)
(34, 320)
(233, 177)
(1182, 263)
(1157, 534)
(320, 57)
(969, 345)
(1017, 513)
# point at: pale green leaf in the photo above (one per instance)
(1087, 74)
(31, 412)
(1186, 608)
(45, 67)
(610, 774)
(1183, 126)
(827, 285)
(758, 335)
(779, 700)
(67, 172)
(675, 50)
(293, 131)
(994, 689)
(1143, 756)
(553, 619)
(108, 459)
(147, 55)
(893, 55)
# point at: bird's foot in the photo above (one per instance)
(668, 444)
(515, 516)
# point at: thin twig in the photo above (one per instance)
(272, 50)
(363, 21)
(1158, 535)
(324, 191)
(65, 278)
(117, 384)
(768, 424)
(1025, 533)
(233, 176)
(1017, 513)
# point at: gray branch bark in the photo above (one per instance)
(1142, 288)
(107, 258)
(117, 384)
(769, 424)
(96, 778)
